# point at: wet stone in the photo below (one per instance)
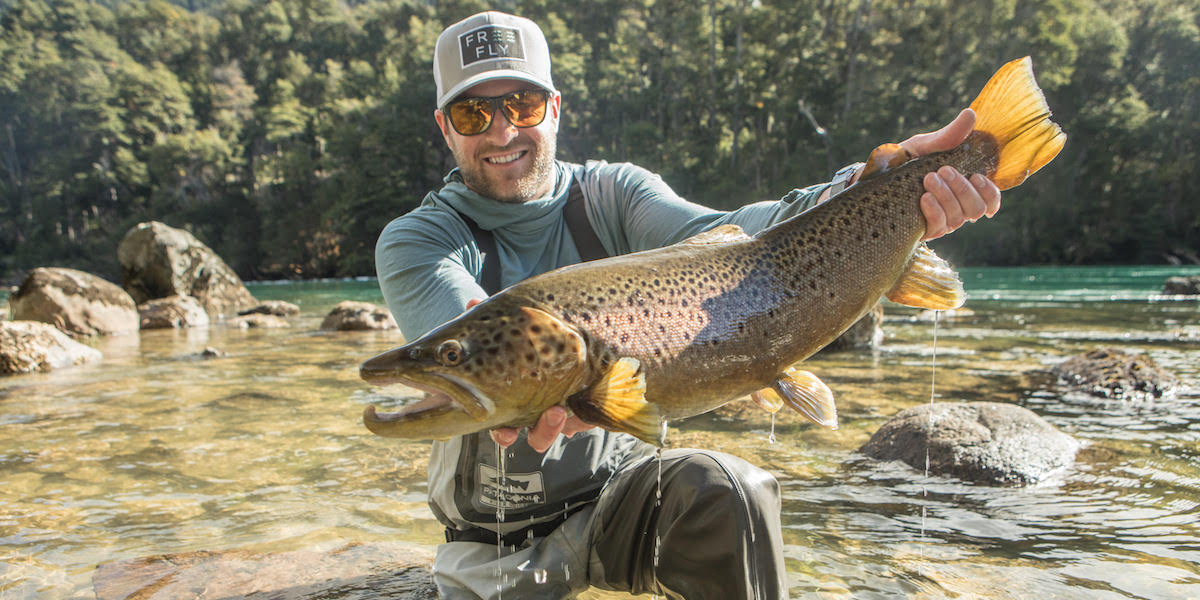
(172, 312)
(1115, 374)
(259, 321)
(864, 333)
(379, 571)
(278, 308)
(29, 346)
(78, 303)
(981, 442)
(358, 316)
(1182, 285)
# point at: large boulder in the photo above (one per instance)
(1115, 374)
(158, 261)
(383, 571)
(1186, 285)
(981, 442)
(172, 312)
(80, 304)
(358, 316)
(28, 346)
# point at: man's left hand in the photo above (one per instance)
(950, 199)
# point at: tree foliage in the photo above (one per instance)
(286, 133)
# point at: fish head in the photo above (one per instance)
(499, 364)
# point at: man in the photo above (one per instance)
(582, 506)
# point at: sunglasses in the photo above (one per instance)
(473, 116)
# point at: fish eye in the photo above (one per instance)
(451, 353)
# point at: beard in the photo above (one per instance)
(527, 186)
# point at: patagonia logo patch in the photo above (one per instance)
(513, 491)
(491, 43)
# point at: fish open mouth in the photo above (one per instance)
(449, 393)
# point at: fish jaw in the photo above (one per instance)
(451, 407)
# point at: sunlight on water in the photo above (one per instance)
(156, 450)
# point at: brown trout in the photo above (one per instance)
(628, 342)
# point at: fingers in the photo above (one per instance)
(505, 436)
(547, 429)
(945, 138)
(472, 302)
(951, 199)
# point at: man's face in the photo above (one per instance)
(506, 163)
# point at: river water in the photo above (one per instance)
(156, 450)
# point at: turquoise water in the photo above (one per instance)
(155, 450)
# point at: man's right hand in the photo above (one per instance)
(553, 422)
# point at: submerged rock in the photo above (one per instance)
(278, 308)
(259, 321)
(28, 346)
(356, 571)
(1112, 373)
(78, 303)
(172, 312)
(1187, 285)
(158, 260)
(864, 333)
(358, 316)
(981, 442)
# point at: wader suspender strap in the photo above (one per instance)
(587, 243)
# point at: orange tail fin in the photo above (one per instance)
(1012, 109)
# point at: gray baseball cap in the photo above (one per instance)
(486, 46)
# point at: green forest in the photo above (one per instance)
(286, 133)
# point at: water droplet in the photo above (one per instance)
(771, 438)
(540, 576)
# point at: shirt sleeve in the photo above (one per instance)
(645, 213)
(426, 271)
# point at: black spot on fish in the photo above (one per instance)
(535, 328)
(529, 357)
(624, 338)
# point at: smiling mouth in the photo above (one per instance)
(505, 158)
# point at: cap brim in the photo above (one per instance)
(479, 78)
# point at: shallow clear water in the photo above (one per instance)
(156, 450)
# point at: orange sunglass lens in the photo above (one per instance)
(471, 116)
(526, 109)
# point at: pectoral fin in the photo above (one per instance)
(929, 282)
(618, 403)
(808, 395)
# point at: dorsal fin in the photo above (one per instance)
(717, 235)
